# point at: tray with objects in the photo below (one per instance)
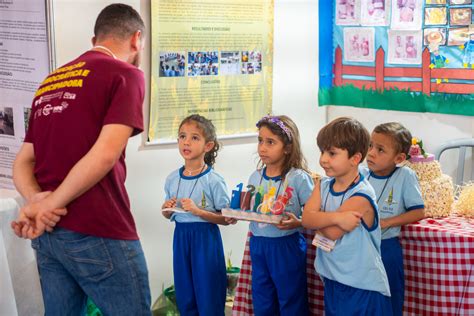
(257, 205)
(173, 209)
(251, 216)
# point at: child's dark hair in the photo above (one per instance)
(209, 132)
(287, 131)
(400, 135)
(345, 133)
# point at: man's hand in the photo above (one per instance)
(51, 218)
(37, 217)
(26, 227)
(20, 223)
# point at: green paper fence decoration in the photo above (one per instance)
(431, 91)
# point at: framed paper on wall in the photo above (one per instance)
(210, 58)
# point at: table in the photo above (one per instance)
(438, 261)
(20, 290)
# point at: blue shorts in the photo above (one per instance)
(279, 281)
(200, 277)
(392, 257)
(344, 300)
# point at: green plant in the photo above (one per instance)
(229, 261)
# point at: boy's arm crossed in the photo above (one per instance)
(333, 224)
(349, 216)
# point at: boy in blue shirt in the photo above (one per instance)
(398, 198)
(343, 209)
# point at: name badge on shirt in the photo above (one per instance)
(323, 243)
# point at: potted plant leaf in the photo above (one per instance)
(232, 276)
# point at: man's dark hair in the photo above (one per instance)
(118, 20)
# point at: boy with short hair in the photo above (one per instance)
(343, 209)
(398, 197)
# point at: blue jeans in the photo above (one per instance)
(74, 266)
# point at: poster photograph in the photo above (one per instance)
(435, 16)
(374, 13)
(436, 35)
(348, 12)
(460, 16)
(359, 44)
(404, 47)
(406, 14)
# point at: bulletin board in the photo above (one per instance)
(213, 58)
(403, 55)
(27, 56)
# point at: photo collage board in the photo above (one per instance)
(413, 41)
(403, 28)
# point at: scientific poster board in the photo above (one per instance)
(24, 63)
(213, 58)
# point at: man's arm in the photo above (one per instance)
(26, 184)
(88, 171)
(23, 172)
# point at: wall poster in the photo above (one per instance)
(214, 58)
(24, 63)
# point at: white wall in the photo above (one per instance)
(294, 94)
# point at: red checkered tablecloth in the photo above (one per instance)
(439, 261)
(439, 276)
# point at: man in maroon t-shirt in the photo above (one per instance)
(73, 158)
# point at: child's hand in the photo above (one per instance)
(171, 203)
(384, 223)
(348, 221)
(230, 220)
(290, 221)
(190, 206)
(167, 214)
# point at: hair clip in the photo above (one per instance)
(277, 121)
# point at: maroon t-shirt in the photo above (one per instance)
(68, 112)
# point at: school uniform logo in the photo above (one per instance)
(390, 201)
(203, 200)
